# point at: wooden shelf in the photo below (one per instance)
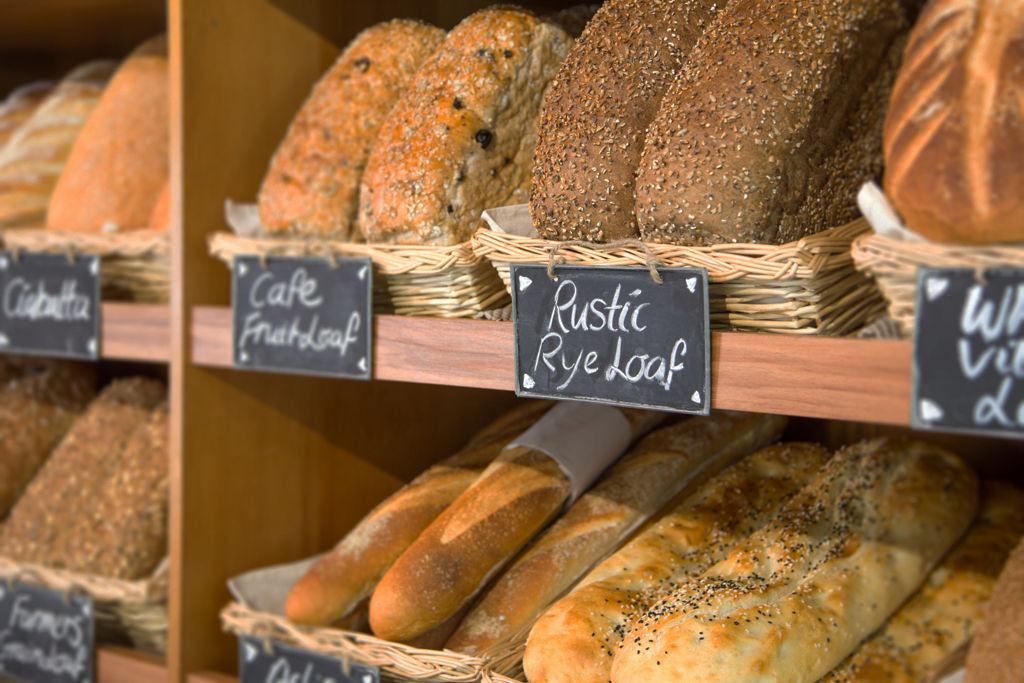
(847, 379)
(139, 332)
(121, 665)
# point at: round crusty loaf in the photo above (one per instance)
(19, 106)
(743, 132)
(954, 136)
(997, 652)
(312, 186)
(461, 139)
(605, 96)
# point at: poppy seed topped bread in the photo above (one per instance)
(461, 139)
(312, 186)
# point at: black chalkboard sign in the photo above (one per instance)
(50, 305)
(46, 636)
(303, 315)
(969, 351)
(285, 664)
(613, 335)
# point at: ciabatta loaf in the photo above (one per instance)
(461, 138)
(312, 186)
(471, 541)
(946, 612)
(341, 582)
(794, 599)
(573, 641)
(672, 459)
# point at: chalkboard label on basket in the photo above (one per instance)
(284, 664)
(51, 305)
(613, 335)
(303, 315)
(46, 636)
(969, 351)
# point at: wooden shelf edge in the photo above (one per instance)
(859, 380)
(123, 665)
(140, 332)
(211, 677)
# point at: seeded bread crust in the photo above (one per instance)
(461, 139)
(594, 120)
(312, 186)
(997, 652)
(762, 102)
(19, 106)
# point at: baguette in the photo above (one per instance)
(340, 583)
(455, 557)
(573, 641)
(790, 602)
(943, 616)
(662, 465)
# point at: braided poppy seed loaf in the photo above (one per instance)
(461, 139)
(312, 186)
(600, 105)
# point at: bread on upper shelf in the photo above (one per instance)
(120, 161)
(19, 106)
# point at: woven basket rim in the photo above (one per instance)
(390, 258)
(152, 589)
(129, 244)
(872, 247)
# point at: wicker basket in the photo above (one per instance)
(441, 282)
(893, 264)
(396, 661)
(806, 287)
(136, 264)
(135, 611)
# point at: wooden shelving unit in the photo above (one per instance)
(123, 665)
(139, 332)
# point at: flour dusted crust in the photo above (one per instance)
(341, 582)
(312, 186)
(605, 96)
(19, 106)
(759, 105)
(120, 161)
(790, 602)
(675, 458)
(573, 641)
(461, 139)
(946, 612)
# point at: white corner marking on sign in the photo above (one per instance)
(94, 267)
(362, 364)
(691, 284)
(242, 269)
(362, 272)
(528, 382)
(930, 410)
(4, 341)
(936, 287)
(367, 678)
(243, 356)
(86, 608)
(3, 263)
(524, 282)
(250, 652)
(3, 593)
(91, 346)
(696, 397)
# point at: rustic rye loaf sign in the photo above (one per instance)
(613, 335)
(969, 351)
(284, 664)
(50, 306)
(46, 636)
(303, 315)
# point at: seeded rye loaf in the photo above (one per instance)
(312, 186)
(19, 106)
(120, 161)
(759, 105)
(461, 138)
(997, 651)
(34, 157)
(594, 120)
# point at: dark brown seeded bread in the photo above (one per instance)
(761, 103)
(997, 652)
(599, 107)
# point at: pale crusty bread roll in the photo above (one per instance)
(19, 106)
(341, 582)
(794, 599)
(34, 157)
(120, 161)
(997, 651)
(312, 185)
(454, 558)
(944, 614)
(675, 458)
(573, 641)
(461, 138)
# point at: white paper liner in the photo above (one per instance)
(583, 438)
(955, 677)
(513, 220)
(265, 590)
(243, 218)
(875, 206)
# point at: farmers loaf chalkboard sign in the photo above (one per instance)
(969, 351)
(613, 335)
(45, 636)
(303, 315)
(284, 664)
(50, 306)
